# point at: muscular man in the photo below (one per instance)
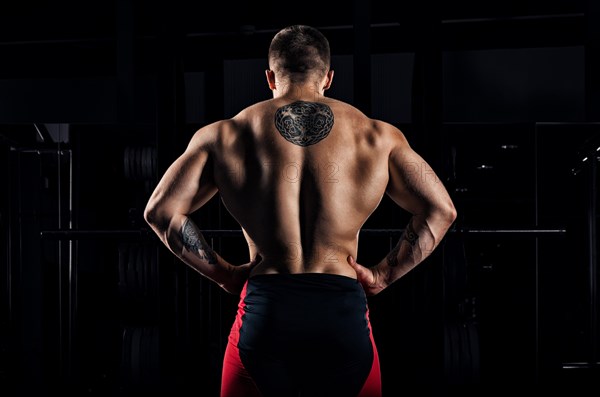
(301, 173)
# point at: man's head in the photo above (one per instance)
(299, 54)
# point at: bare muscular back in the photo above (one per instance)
(301, 178)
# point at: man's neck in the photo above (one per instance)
(300, 92)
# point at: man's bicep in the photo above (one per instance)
(187, 184)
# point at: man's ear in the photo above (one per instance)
(329, 80)
(270, 79)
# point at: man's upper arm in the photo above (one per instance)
(413, 184)
(188, 183)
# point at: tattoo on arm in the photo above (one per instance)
(194, 242)
(392, 258)
(410, 236)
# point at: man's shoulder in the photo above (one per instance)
(251, 111)
(213, 133)
(357, 115)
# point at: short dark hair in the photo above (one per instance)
(299, 51)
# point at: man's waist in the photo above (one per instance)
(273, 266)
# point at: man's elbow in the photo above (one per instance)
(159, 217)
(446, 214)
(152, 215)
(451, 213)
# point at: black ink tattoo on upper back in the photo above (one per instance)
(194, 242)
(304, 123)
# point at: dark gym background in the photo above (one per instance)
(98, 97)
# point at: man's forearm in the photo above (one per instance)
(420, 238)
(194, 244)
(186, 241)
